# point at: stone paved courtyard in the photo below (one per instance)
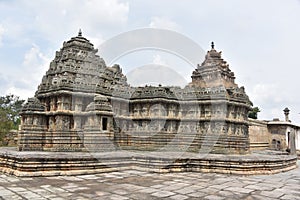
(132, 184)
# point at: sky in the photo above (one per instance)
(259, 39)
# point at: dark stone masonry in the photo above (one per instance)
(85, 118)
(82, 104)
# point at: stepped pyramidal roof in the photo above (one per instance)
(77, 67)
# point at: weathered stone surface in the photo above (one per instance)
(132, 184)
(86, 107)
(81, 101)
(30, 163)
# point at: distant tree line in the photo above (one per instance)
(10, 106)
(253, 113)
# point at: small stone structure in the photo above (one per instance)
(275, 134)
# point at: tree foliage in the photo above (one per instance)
(253, 113)
(10, 106)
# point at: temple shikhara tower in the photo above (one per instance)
(83, 105)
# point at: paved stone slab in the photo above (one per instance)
(179, 197)
(197, 194)
(239, 189)
(273, 194)
(162, 194)
(289, 197)
(132, 184)
(185, 190)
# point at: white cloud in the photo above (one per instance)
(164, 23)
(33, 57)
(158, 60)
(21, 92)
(155, 74)
(63, 17)
(265, 93)
(1, 34)
(58, 19)
(273, 98)
(24, 81)
(96, 41)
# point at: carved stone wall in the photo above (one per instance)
(84, 105)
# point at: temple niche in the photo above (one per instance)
(84, 105)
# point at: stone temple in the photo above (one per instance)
(83, 106)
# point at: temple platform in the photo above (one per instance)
(33, 163)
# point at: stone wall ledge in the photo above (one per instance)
(32, 163)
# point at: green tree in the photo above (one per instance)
(253, 112)
(10, 106)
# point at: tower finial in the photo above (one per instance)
(212, 45)
(80, 33)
